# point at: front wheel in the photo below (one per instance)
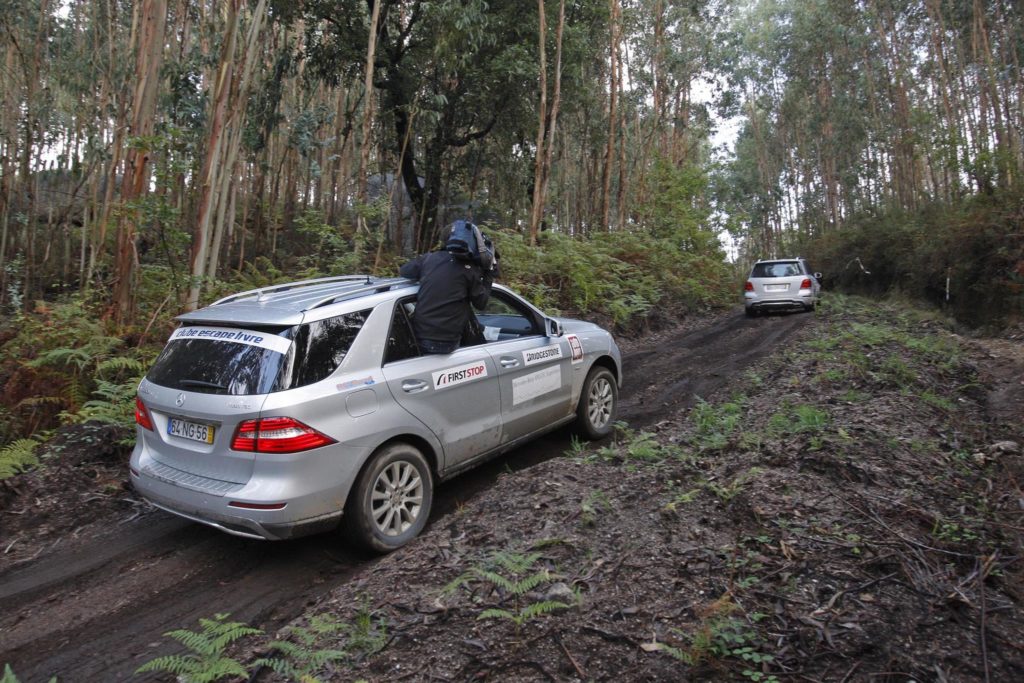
(390, 503)
(599, 401)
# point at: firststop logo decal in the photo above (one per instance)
(460, 375)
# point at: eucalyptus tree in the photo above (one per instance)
(447, 73)
(873, 105)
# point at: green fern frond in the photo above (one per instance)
(496, 579)
(41, 401)
(172, 664)
(223, 667)
(540, 608)
(197, 642)
(514, 562)
(120, 364)
(495, 613)
(79, 357)
(288, 649)
(207, 663)
(458, 582)
(18, 456)
(321, 657)
(282, 667)
(525, 585)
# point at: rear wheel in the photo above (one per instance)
(751, 312)
(390, 503)
(599, 401)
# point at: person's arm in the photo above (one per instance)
(480, 289)
(413, 269)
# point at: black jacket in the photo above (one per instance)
(447, 287)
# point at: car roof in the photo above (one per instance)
(780, 260)
(305, 300)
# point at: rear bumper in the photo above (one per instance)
(197, 508)
(803, 299)
(302, 497)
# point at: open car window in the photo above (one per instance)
(505, 318)
(401, 340)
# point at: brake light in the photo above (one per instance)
(749, 287)
(806, 284)
(277, 435)
(142, 417)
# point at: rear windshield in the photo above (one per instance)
(780, 269)
(255, 360)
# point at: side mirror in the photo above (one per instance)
(554, 328)
(817, 276)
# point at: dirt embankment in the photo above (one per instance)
(845, 506)
(847, 510)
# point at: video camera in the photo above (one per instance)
(466, 242)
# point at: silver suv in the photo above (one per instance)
(781, 284)
(283, 411)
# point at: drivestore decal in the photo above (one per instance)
(232, 334)
(460, 375)
(541, 355)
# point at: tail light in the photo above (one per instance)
(277, 435)
(142, 417)
(749, 287)
(806, 284)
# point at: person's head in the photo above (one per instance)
(461, 241)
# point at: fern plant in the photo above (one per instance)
(17, 457)
(206, 662)
(301, 657)
(9, 677)
(514, 576)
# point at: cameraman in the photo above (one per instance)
(451, 280)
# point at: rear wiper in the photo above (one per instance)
(201, 383)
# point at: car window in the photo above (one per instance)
(401, 340)
(783, 269)
(214, 360)
(321, 346)
(504, 318)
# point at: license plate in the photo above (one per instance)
(776, 288)
(190, 430)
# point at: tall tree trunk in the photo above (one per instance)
(364, 149)
(210, 174)
(613, 112)
(134, 182)
(537, 208)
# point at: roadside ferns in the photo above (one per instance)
(514, 578)
(207, 661)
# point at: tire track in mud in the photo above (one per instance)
(96, 609)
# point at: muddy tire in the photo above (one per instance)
(751, 313)
(599, 402)
(390, 503)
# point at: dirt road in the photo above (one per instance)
(94, 607)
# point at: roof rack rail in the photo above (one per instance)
(258, 293)
(382, 286)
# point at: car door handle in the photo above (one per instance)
(509, 362)
(414, 386)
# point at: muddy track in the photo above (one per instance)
(94, 609)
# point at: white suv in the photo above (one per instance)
(781, 284)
